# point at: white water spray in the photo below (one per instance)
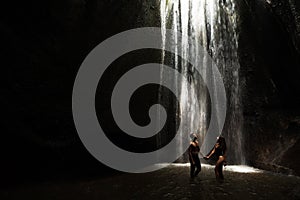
(213, 25)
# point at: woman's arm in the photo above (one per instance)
(211, 153)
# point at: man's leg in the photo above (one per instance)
(198, 165)
(192, 170)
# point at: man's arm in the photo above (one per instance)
(190, 153)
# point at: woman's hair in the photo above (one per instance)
(222, 143)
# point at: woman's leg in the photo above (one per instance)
(216, 172)
(219, 168)
(221, 172)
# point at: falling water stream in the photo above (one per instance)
(213, 25)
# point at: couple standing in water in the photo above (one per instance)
(218, 151)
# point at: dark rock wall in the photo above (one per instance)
(43, 45)
(270, 60)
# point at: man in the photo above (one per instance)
(194, 149)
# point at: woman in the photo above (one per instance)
(219, 150)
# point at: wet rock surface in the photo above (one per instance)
(172, 182)
(269, 57)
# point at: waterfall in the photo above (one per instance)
(213, 25)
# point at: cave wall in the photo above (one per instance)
(269, 57)
(43, 45)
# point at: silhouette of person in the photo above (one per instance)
(194, 149)
(219, 151)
